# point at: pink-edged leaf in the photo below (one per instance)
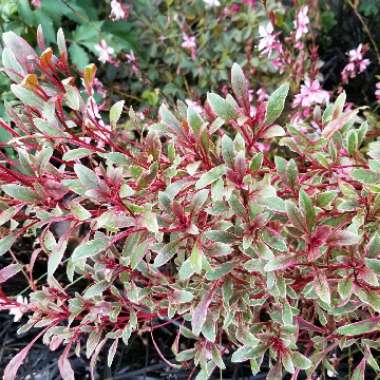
(343, 237)
(12, 367)
(95, 356)
(337, 124)
(200, 313)
(64, 365)
(9, 271)
(40, 38)
(280, 263)
(21, 49)
(359, 372)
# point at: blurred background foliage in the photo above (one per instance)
(149, 62)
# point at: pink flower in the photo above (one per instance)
(36, 3)
(268, 41)
(377, 92)
(301, 23)
(131, 58)
(105, 51)
(118, 11)
(311, 93)
(357, 63)
(190, 43)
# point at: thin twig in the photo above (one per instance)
(365, 28)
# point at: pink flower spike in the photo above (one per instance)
(301, 23)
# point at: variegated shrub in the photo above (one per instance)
(249, 227)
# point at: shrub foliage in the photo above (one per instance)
(249, 227)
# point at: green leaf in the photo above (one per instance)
(138, 254)
(27, 97)
(220, 236)
(182, 296)
(295, 216)
(95, 290)
(240, 85)
(89, 249)
(228, 151)
(78, 56)
(308, 209)
(245, 353)
(55, 258)
(322, 288)
(47, 128)
(87, 177)
(301, 361)
(194, 120)
(256, 162)
(6, 244)
(221, 107)
(373, 264)
(76, 154)
(274, 240)
(373, 246)
(365, 176)
(220, 271)
(345, 288)
(115, 112)
(166, 253)
(196, 257)
(326, 197)
(8, 214)
(273, 204)
(273, 131)
(280, 263)
(79, 211)
(276, 104)
(149, 221)
(209, 177)
(358, 328)
(198, 201)
(19, 192)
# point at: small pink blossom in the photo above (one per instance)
(189, 43)
(105, 51)
(311, 93)
(377, 92)
(36, 3)
(357, 63)
(301, 23)
(118, 11)
(268, 41)
(131, 58)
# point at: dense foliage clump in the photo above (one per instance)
(249, 224)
